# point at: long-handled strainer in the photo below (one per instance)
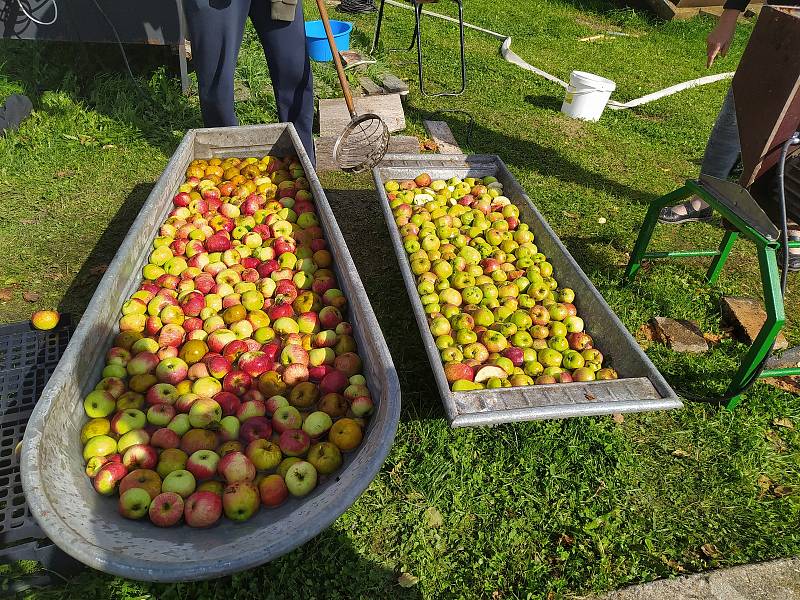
(365, 140)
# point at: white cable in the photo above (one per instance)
(34, 19)
(510, 56)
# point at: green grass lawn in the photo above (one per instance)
(533, 510)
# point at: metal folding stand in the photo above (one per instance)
(416, 39)
(740, 209)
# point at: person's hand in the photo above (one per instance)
(719, 40)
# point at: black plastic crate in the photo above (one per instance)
(27, 359)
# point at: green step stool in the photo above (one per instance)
(750, 221)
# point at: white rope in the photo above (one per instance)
(513, 58)
(34, 19)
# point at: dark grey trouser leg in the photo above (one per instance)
(289, 67)
(723, 148)
(216, 28)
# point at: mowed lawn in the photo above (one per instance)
(533, 510)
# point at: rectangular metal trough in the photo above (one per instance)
(85, 524)
(640, 386)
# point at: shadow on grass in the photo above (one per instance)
(85, 282)
(361, 220)
(95, 75)
(327, 566)
(528, 155)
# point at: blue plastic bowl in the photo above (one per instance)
(317, 41)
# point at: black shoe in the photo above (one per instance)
(669, 216)
(794, 262)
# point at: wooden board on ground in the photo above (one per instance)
(370, 87)
(398, 144)
(444, 138)
(334, 117)
(394, 85)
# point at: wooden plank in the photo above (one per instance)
(370, 87)
(398, 144)
(394, 85)
(666, 10)
(444, 138)
(767, 90)
(334, 117)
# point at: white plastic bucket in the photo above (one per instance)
(587, 95)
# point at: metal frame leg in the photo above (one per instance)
(377, 27)
(182, 59)
(418, 31)
(377, 35)
(773, 303)
(719, 261)
(648, 226)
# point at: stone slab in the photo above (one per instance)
(774, 580)
(747, 316)
(334, 116)
(444, 138)
(680, 336)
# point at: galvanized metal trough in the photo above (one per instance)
(640, 387)
(86, 525)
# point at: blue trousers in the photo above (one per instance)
(216, 28)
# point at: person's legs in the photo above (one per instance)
(285, 49)
(216, 28)
(722, 152)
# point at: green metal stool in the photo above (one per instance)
(737, 205)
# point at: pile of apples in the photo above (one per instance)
(494, 308)
(234, 380)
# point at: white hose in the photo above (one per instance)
(510, 56)
(34, 19)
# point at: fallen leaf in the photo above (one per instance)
(710, 550)
(6, 294)
(618, 418)
(496, 595)
(764, 483)
(430, 145)
(646, 331)
(30, 296)
(678, 453)
(674, 565)
(566, 539)
(108, 146)
(782, 490)
(712, 338)
(590, 396)
(570, 215)
(99, 269)
(784, 422)
(433, 517)
(776, 440)
(28, 221)
(407, 580)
